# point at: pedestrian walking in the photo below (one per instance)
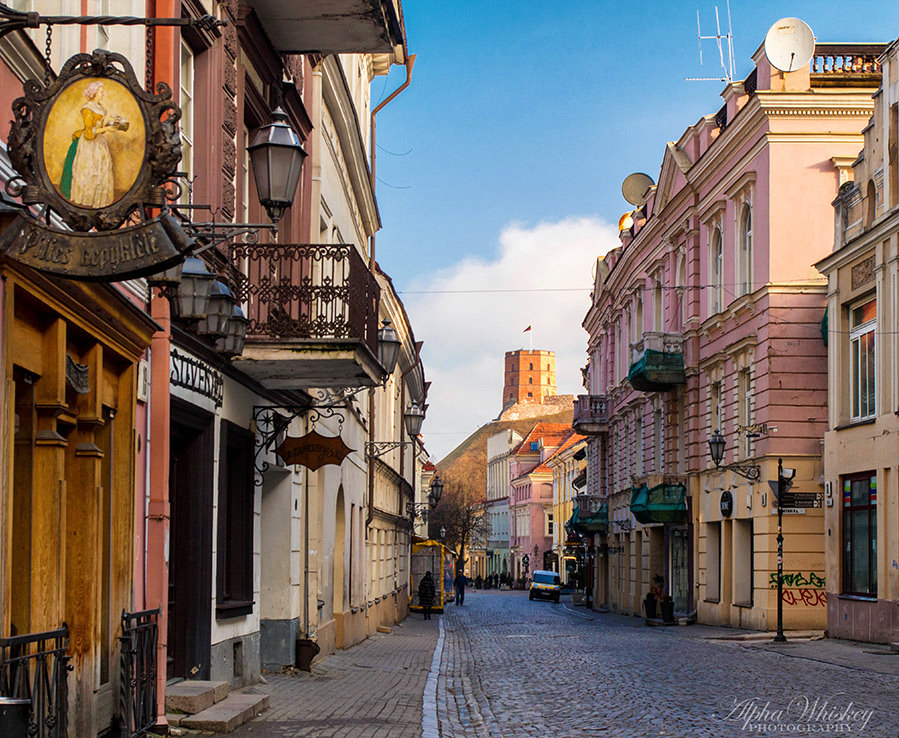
(459, 583)
(426, 594)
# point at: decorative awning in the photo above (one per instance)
(657, 371)
(664, 503)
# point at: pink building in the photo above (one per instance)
(706, 319)
(531, 496)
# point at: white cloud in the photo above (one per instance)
(467, 321)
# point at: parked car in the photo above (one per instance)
(546, 585)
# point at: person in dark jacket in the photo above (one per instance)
(426, 594)
(459, 583)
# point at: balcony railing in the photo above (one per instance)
(34, 667)
(302, 292)
(591, 414)
(846, 64)
(137, 693)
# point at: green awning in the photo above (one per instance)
(596, 523)
(657, 371)
(664, 503)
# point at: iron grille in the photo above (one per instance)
(35, 667)
(305, 291)
(137, 691)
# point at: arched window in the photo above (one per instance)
(716, 272)
(745, 255)
(657, 307)
(530, 380)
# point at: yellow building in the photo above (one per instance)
(861, 450)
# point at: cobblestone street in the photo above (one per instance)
(505, 667)
(515, 668)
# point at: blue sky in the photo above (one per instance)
(523, 115)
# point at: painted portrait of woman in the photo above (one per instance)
(93, 143)
(87, 175)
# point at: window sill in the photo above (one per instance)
(857, 598)
(713, 602)
(856, 423)
(743, 604)
(235, 609)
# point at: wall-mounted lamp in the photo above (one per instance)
(420, 509)
(412, 419)
(752, 472)
(388, 348)
(277, 156)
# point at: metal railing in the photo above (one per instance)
(590, 410)
(137, 688)
(305, 292)
(35, 667)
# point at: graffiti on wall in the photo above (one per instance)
(801, 589)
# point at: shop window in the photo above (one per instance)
(862, 348)
(743, 565)
(235, 523)
(713, 562)
(860, 534)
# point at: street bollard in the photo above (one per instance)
(14, 717)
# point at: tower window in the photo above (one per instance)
(531, 367)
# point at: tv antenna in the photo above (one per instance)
(727, 65)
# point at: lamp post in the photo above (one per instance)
(784, 482)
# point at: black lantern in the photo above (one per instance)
(218, 311)
(388, 347)
(414, 417)
(193, 292)
(231, 343)
(436, 491)
(442, 532)
(716, 447)
(277, 156)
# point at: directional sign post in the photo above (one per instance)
(782, 491)
(802, 499)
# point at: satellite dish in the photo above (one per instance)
(635, 187)
(789, 44)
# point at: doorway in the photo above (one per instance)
(190, 547)
(680, 569)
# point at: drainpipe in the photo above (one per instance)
(410, 62)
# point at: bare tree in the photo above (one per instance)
(461, 513)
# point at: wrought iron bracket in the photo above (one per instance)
(624, 525)
(17, 20)
(376, 449)
(755, 430)
(752, 472)
(418, 510)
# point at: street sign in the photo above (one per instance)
(802, 499)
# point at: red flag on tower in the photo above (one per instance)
(526, 329)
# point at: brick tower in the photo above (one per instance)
(529, 377)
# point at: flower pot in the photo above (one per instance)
(667, 607)
(649, 605)
(306, 650)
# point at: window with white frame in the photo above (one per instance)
(745, 254)
(716, 407)
(549, 523)
(744, 409)
(658, 306)
(186, 124)
(658, 440)
(639, 446)
(716, 271)
(862, 327)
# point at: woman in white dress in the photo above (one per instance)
(87, 178)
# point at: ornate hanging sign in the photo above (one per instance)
(313, 450)
(95, 148)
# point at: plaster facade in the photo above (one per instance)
(708, 318)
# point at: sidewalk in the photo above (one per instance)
(372, 690)
(809, 645)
